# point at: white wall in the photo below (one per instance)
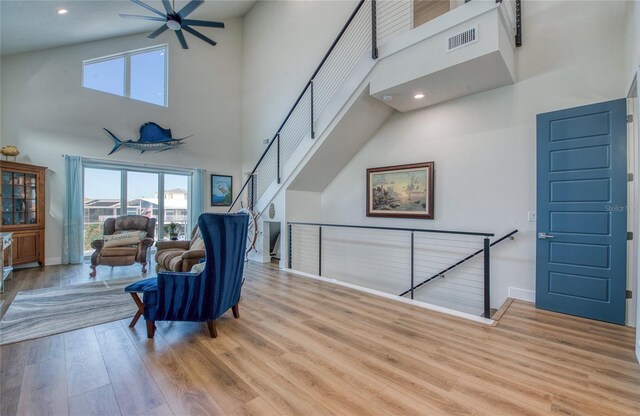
(484, 145)
(46, 112)
(284, 42)
(632, 40)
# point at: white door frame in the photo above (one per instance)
(633, 205)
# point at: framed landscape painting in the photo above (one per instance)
(221, 190)
(402, 191)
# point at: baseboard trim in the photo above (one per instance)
(412, 302)
(50, 261)
(522, 294)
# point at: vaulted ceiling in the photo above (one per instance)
(33, 25)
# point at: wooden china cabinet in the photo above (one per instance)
(23, 208)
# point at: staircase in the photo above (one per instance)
(338, 109)
(371, 70)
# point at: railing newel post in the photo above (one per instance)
(313, 130)
(290, 244)
(278, 150)
(374, 30)
(253, 191)
(487, 278)
(518, 23)
(412, 265)
(320, 251)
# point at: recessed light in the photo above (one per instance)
(387, 98)
(62, 11)
(418, 96)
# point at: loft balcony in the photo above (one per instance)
(464, 51)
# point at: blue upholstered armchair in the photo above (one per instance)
(199, 297)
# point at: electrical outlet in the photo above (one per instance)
(531, 216)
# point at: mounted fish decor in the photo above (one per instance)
(152, 137)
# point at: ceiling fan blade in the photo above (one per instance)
(167, 6)
(186, 10)
(183, 41)
(151, 9)
(199, 35)
(157, 32)
(191, 22)
(137, 16)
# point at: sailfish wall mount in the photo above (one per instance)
(152, 137)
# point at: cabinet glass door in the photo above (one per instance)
(30, 186)
(7, 198)
(19, 198)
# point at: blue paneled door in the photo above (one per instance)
(581, 251)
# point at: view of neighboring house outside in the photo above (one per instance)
(96, 211)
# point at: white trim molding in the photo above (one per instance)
(51, 261)
(522, 294)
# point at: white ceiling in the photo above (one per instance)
(27, 25)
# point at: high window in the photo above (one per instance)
(140, 74)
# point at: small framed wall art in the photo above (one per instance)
(221, 190)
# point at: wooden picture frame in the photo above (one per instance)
(221, 190)
(401, 191)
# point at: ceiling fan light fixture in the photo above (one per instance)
(173, 24)
(177, 21)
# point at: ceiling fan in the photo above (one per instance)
(176, 21)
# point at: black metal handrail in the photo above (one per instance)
(276, 137)
(371, 227)
(448, 269)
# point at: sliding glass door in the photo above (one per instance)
(175, 204)
(142, 195)
(112, 190)
(102, 195)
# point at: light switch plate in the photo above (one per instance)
(531, 216)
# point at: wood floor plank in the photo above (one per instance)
(283, 395)
(9, 400)
(259, 407)
(99, 401)
(162, 410)
(85, 367)
(193, 380)
(322, 389)
(134, 388)
(182, 389)
(13, 360)
(44, 382)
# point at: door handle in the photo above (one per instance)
(544, 236)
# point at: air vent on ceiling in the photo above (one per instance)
(463, 38)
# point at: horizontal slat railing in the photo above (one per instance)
(392, 259)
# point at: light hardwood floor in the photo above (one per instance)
(303, 347)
